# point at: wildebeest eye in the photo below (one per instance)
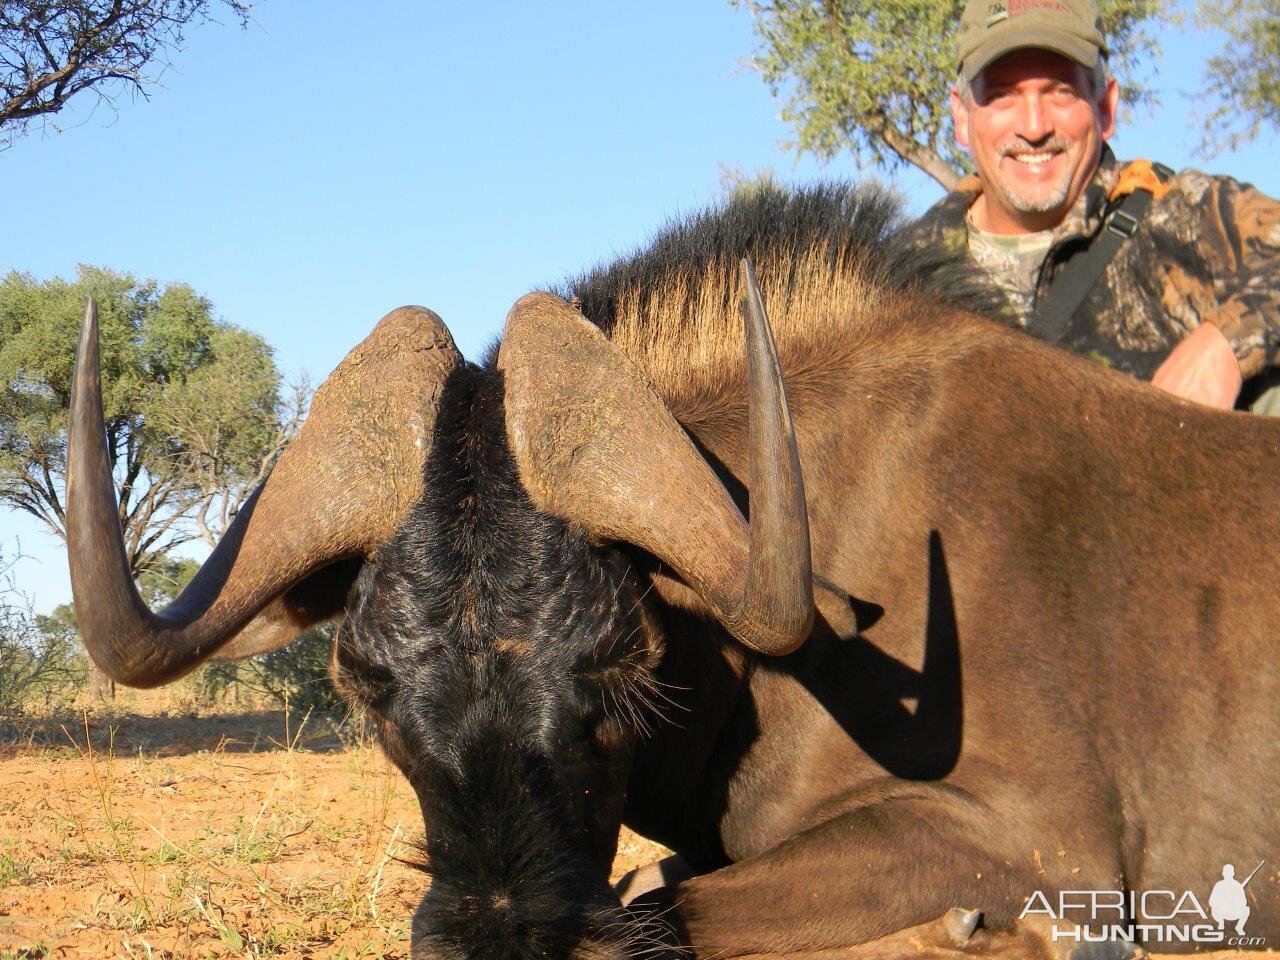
(368, 683)
(626, 692)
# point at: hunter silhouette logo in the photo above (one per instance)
(1149, 916)
(1228, 901)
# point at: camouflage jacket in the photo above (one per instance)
(1208, 251)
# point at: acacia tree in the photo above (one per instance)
(874, 78)
(194, 417)
(53, 52)
(193, 412)
(1243, 79)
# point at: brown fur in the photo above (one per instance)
(686, 332)
(1109, 556)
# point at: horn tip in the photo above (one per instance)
(752, 304)
(89, 326)
(87, 360)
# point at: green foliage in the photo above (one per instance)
(60, 622)
(13, 869)
(1243, 80)
(164, 580)
(192, 404)
(41, 663)
(194, 418)
(296, 675)
(735, 184)
(874, 78)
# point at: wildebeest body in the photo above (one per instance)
(1045, 658)
(1091, 668)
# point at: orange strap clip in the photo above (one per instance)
(1139, 175)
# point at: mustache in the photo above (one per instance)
(1014, 145)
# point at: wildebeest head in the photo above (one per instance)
(494, 630)
(507, 662)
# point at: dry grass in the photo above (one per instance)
(150, 834)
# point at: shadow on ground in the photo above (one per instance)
(169, 735)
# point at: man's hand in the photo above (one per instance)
(1202, 368)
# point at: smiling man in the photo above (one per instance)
(1170, 277)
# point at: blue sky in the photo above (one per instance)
(324, 166)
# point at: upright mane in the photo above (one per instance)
(835, 265)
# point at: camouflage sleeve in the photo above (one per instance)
(1238, 233)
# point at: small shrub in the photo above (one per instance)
(41, 664)
(296, 675)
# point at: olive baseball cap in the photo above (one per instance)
(991, 28)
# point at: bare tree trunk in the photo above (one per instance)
(101, 687)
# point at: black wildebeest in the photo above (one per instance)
(1045, 650)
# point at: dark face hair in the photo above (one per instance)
(506, 662)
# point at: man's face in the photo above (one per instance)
(1035, 128)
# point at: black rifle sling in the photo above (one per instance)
(1054, 310)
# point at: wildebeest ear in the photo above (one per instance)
(836, 606)
(596, 446)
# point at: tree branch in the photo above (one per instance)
(917, 154)
(53, 52)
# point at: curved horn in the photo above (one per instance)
(340, 488)
(596, 445)
(779, 586)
